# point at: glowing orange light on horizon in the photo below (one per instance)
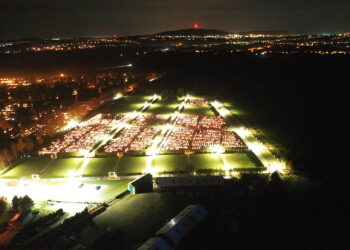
(62, 75)
(196, 26)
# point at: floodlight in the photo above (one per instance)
(118, 96)
(86, 153)
(71, 124)
(218, 149)
(152, 152)
(257, 147)
(276, 167)
(152, 170)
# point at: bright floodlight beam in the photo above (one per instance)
(118, 96)
(86, 153)
(152, 152)
(71, 124)
(217, 149)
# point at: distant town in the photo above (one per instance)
(195, 40)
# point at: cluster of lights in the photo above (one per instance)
(206, 138)
(178, 139)
(144, 119)
(123, 141)
(88, 133)
(190, 139)
(14, 82)
(144, 139)
(9, 110)
(71, 137)
(195, 121)
(187, 121)
(62, 47)
(82, 137)
(230, 139)
(88, 140)
(102, 119)
(197, 101)
(212, 122)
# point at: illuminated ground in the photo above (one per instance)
(72, 195)
(127, 165)
(162, 108)
(125, 105)
(153, 162)
(186, 136)
(70, 190)
(197, 110)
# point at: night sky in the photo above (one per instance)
(94, 18)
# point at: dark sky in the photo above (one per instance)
(81, 18)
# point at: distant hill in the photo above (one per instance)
(189, 32)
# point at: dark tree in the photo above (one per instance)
(15, 203)
(3, 206)
(26, 203)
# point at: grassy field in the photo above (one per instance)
(71, 190)
(140, 164)
(162, 107)
(127, 165)
(121, 107)
(44, 166)
(62, 167)
(100, 166)
(126, 105)
(28, 166)
(197, 110)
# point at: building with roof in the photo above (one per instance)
(189, 181)
(155, 243)
(176, 229)
(196, 213)
(144, 184)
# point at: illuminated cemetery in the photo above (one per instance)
(122, 142)
(83, 136)
(178, 139)
(136, 141)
